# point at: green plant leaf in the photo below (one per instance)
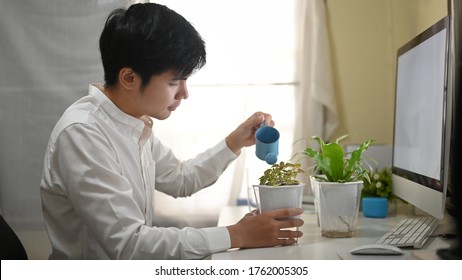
(355, 159)
(337, 166)
(334, 152)
(322, 163)
(282, 173)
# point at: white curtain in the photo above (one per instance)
(316, 109)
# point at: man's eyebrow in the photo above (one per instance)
(177, 78)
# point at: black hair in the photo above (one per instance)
(151, 39)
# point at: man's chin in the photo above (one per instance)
(163, 116)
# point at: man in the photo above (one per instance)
(103, 161)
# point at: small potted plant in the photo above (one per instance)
(279, 188)
(377, 193)
(337, 188)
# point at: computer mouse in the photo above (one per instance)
(376, 249)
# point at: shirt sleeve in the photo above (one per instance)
(187, 243)
(90, 173)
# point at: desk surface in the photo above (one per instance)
(314, 246)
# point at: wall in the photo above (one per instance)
(365, 35)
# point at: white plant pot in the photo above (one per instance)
(315, 192)
(271, 198)
(338, 207)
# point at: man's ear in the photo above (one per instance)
(127, 78)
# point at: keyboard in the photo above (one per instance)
(412, 232)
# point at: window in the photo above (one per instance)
(250, 67)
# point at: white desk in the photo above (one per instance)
(314, 246)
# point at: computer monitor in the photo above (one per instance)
(422, 125)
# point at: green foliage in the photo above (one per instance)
(281, 174)
(337, 166)
(380, 185)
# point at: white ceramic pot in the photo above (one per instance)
(272, 198)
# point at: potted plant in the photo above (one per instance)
(337, 185)
(279, 188)
(377, 193)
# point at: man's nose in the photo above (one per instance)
(183, 90)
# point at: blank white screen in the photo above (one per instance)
(419, 107)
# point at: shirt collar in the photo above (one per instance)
(127, 123)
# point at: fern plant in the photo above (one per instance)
(281, 174)
(335, 165)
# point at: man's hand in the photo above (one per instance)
(244, 135)
(265, 229)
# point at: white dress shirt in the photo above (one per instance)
(100, 170)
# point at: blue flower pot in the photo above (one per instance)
(375, 207)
